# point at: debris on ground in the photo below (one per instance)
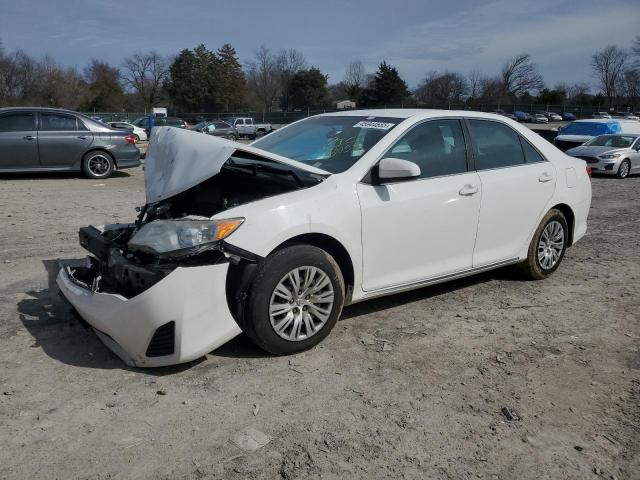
(256, 409)
(250, 439)
(510, 413)
(161, 392)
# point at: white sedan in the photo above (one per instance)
(139, 133)
(274, 238)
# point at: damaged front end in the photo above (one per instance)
(157, 291)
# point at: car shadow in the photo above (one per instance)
(60, 175)
(65, 337)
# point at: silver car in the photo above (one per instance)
(611, 154)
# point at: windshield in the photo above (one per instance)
(331, 143)
(615, 141)
(591, 129)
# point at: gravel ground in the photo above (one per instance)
(409, 386)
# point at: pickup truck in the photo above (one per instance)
(246, 127)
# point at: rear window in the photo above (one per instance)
(591, 129)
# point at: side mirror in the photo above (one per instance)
(396, 169)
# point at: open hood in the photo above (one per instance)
(179, 159)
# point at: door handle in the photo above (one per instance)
(82, 137)
(29, 137)
(545, 177)
(468, 190)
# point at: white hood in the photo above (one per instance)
(179, 159)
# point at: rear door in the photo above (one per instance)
(240, 126)
(517, 183)
(62, 139)
(18, 140)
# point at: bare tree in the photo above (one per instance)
(608, 67)
(474, 80)
(264, 76)
(144, 73)
(442, 89)
(17, 76)
(635, 50)
(288, 63)
(355, 79)
(520, 75)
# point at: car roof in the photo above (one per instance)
(418, 113)
(39, 109)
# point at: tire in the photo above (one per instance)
(231, 137)
(265, 309)
(252, 136)
(624, 169)
(543, 245)
(98, 165)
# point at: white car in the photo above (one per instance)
(540, 118)
(274, 238)
(138, 133)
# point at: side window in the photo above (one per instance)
(497, 146)
(249, 121)
(239, 122)
(436, 146)
(17, 122)
(211, 127)
(531, 155)
(58, 122)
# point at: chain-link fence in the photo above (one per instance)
(282, 118)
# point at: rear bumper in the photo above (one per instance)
(126, 156)
(194, 298)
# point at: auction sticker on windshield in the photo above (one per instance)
(376, 125)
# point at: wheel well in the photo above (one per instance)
(568, 214)
(334, 248)
(103, 151)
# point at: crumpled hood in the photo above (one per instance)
(179, 159)
(593, 151)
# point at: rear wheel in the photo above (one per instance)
(231, 137)
(97, 165)
(294, 300)
(547, 247)
(624, 169)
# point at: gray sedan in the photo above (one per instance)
(611, 154)
(217, 128)
(49, 139)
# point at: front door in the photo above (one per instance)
(18, 140)
(425, 227)
(62, 139)
(517, 184)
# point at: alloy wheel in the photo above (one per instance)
(550, 245)
(301, 303)
(99, 165)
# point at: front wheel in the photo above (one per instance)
(548, 246)
(294, 300)
(97, 165)
(624, 169)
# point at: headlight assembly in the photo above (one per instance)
(608, 156)
(182, 237)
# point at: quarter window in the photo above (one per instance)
(17, 122)
(531, 155)
(436, 146)
(497, 146)
(57, 122)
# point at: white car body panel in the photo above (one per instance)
(398, 236)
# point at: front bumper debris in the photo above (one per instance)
(186, 313)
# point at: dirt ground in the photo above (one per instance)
(409, 386)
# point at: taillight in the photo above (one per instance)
(131, 139)
(589, 169)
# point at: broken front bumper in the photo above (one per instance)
(180, 318)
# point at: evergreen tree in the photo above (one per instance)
(308, 89)
(386, 89)
(232, 81)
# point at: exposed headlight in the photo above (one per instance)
(182, 236)
(608, 156)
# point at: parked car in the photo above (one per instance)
(217, 128)
(511, 116)
(601, 115)
(580, 131)
(627, 116)
(274, 238)
(568, 116)
(611, 154)
(246, 127)
(523, 117)
(138, 132)
(540, 118)
(552, 116)
(48, 139)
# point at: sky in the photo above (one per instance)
(416, 36)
